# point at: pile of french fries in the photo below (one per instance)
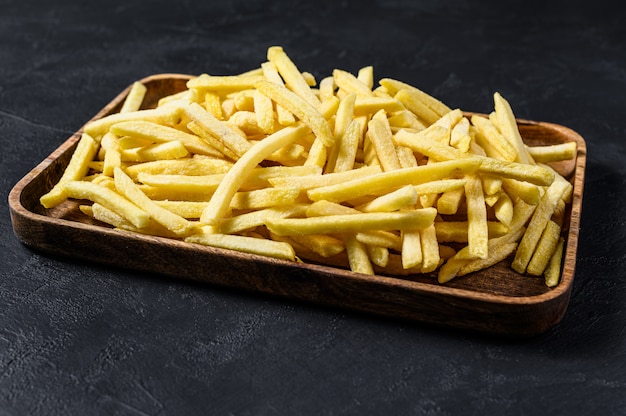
(379, 179)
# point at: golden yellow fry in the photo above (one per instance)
(302, 109)
(213, 104)
(411, 253)
(490, 139)
(380, 136)
(112, 157)
(228, 83)
(457, 231)
(237, 175)
(158, 133)
(212, 140)
(264, 111)
(439, 186)
(358, 256)
(412, 102)
(406, 157)
(496, 255)
(380, 183)
(379, 238)
(371, 105)
(552, 153)
(393, 201)
(366, 76)
(135, 97)
(220, 130)
(185, 209)
(378, 256)
(321, 244)
(314, 181)
(182, 183)
(257, 218)
(350, 84)
(108, 198)
(449, 201)
(292, 76)
(503, 209)
(528, 192)
(262, 247)
(169, 220)
(421, 143)
(159, 151)
(394, 86)
(77, 167)
(460, 137)
(537, 224)
(264, 198)
(352, 223)
(535, 174)
(285, 118)
(190, 167)
(347, 148)
(167, 115)
(507, 124)
(552, 273)
(430, 249)
(545, 249)
(478, 231)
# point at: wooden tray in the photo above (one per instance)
(496, 300)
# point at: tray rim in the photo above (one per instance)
(563, 289)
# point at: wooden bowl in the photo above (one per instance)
(496, 300)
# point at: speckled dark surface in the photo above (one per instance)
(79, 338)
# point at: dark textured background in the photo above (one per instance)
(83, 339)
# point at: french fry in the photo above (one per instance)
(553, 270)
(358, 256)
(545, 249)
(169, 220)
(352, 223)
(292, 76)
(135, 97)
(477, 230)
(236, 176)
(552, 153)
(77, 167)
(264, 247)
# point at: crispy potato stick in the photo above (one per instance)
(257, 218)
(321, 208)
(448, 202)
(182, 183)
(410, 100)
(537, 224)
(314, 181)
(528, 192)
(430, 249)
(169, 220)
(135, 97)
(228, 83)
(77, 167)
(380, 183)
(302, 109)
(358, 256)
(440, 186)
(292, 76)
(506, 123)
(351, 84)
(159, 151)
(190, 167)
(186, 209)
(285, 118)
(220, 130)
(105, 215)
(545, 249)
(411, 253)
(212, 103)
(552, 153)
(263, 247)
(350, 223)
(537, 175)
(496, 255)
(477, 231)
(372, 105)
(264, 111)
(264, 198)
(503, 209)
(347, 148)
(212, 141)
(166, 115)
(321, 244)
(490, 139)
(112, 155)
(553, 271)
(158, 134)
(421, 143)
(378, 238)
(460, 137)
(108, 198)
(379, 256)
(394, 86)
(392, 201)
(457, 231)
(380, 136)
(366, 76)
(236, 176)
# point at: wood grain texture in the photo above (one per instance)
(496, 300)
